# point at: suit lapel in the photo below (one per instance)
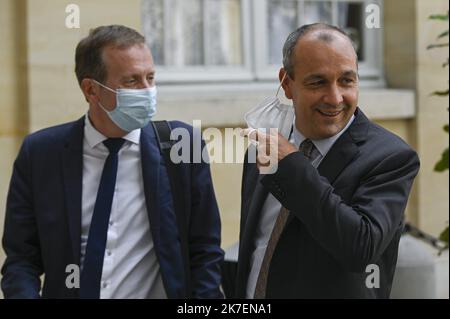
(338, 157)
(150, 161)
(72, 165)
(249, 227)
(254, 210)
(345, 148)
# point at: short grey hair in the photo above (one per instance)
(294, 37)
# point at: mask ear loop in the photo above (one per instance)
(281, 84)
(104, 86)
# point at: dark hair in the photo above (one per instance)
(88, 54)
(294, 37)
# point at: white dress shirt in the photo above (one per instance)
(272, 206)
(130, 266)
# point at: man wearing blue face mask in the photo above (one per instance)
(90, 203)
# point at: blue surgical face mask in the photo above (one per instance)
(134, 107)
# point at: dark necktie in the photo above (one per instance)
(95, 248)
(307, 148)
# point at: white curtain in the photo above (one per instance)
(282, 20)
(193, 32)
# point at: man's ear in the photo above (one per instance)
(285, 83)
(89, 90)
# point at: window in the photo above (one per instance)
(198, 40)
(279, 17)
(228, 40)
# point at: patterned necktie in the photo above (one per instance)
(95, 248)
(307, 148)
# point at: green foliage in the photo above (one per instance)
(442, 164)
(437, 45)
(443, 17)
(444, 238)
(440, 93)
(444, 235)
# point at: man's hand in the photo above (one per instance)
(272, 147)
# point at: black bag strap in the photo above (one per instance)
(162, 130)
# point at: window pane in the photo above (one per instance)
(223, 32)
(196, 32)
(282, 20)
(317, 11)
(152, 13)
(184, 33)
(351, 21)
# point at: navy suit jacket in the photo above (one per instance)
(42, 230)
(344, 216)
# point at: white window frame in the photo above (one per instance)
(370, 70)
(255, 67)
(206, 73)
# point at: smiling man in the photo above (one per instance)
(333, 211)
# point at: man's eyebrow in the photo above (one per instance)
(133, 75)
(350, 73)
(318, 76)
(313, 77)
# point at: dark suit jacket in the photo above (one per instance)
(43, 217)
(345, 215)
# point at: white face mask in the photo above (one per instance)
(271, 113)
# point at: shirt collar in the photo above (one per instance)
(323, 145)
(94, 137)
